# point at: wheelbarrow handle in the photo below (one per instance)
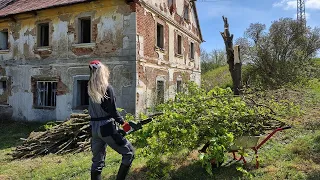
(286, 127)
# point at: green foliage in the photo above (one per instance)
(216, 77)
(196, 117)
(281, 55)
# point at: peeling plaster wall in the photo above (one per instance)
(154, 64)
(113, 41)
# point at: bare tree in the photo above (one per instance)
(234, 68)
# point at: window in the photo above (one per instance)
(160, 92)
(179, 86)
(160, 38)
(179, 44)
(82, 94)
(3, 87)
(170, 5)
(85, 30)
(191, 50)
(3, 92)
(43, 34)
(4, 40)
(186, 13)
(46, 93)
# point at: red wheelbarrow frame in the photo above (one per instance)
(255, 148)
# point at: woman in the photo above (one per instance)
(103, 112)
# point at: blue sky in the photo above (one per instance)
(241, 13)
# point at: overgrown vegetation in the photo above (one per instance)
(280, 56)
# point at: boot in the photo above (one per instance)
(123, 171)
(95, 175)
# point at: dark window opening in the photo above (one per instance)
(179, 44)
(4, 40)
(160, 38)
(83, 93)
(179, 86)
(160, 92)
(85, 30)
(3, 87)
(44, 34)
(191, 50)
(46, 94)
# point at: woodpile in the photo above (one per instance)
(71, 136)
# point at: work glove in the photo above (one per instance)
(126, 126)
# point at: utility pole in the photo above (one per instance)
(301, 12)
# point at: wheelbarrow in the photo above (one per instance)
(245, 142)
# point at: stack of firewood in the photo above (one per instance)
(71, 136)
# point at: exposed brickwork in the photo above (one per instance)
(61, 88)
(82, 51)
(146, 28)
(166, 41)
(186, 47)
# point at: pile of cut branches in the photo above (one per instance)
(71, 136)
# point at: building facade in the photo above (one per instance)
(150, 46)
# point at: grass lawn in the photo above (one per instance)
(290, 154)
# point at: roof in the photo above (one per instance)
(197, 19)
(11, 7)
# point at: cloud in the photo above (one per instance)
(292, 4)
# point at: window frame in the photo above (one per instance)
(53, 94)
(80, 31)
(39, 34)
(162, 41)
(6, 30)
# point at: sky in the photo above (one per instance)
(241, 13)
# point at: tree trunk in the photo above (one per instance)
(234, 66)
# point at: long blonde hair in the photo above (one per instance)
(98, 82)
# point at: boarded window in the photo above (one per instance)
(192, 50)
(46, 93)
(179, 44)
(160, 36)
(83, 97)
(179, 86)
(43, 34)
(4, 40)
(85, 30)
(160, 92)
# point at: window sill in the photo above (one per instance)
(84, 45)
(159, 49)
(179, 55)
(44, 107)
(5, 51)
(44, 48)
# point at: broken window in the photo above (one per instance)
(4, 40)
(82, 94)
(160, 91)
(192, 50)
(179, 86)
(43, 34)
(186, 13)
(179, 44)
(46, 93)
(160, 36)
(85, 30)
